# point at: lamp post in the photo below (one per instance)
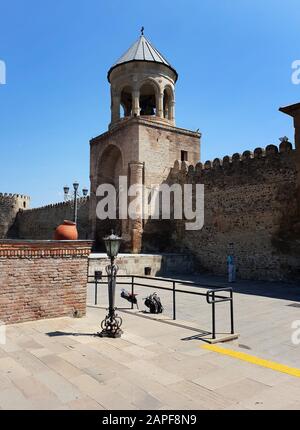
(112, 322)
(74, 196)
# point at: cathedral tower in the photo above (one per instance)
(142, 141)
(142, 84)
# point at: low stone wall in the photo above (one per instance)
(134, 264)
(42, 279)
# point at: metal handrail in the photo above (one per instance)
(178, 281)
(211, 297)
(211, 293)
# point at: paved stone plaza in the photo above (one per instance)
(60, 364)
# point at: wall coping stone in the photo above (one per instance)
(129, 255)
(253, 158)
(14, 196)
(147, 122)
(57, 205)
(44, 248)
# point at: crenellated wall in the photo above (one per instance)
(10, 204)
(250, 200)
(40, 223)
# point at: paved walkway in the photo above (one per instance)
(60, 364)
(264, 313)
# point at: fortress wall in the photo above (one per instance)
(10, 204)
(39, 223)
(250, 200)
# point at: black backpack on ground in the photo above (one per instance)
(154, 304)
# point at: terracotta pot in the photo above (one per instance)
(66, 231)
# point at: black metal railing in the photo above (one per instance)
(212, 299)
(212, 294)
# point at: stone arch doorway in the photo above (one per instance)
(110, 168)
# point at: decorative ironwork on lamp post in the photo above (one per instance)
(111, 325)
(74, 197)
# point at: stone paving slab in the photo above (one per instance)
(61, 364)
(262, 313)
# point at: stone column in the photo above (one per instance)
(135, 102)
(136, 170)
(172, 111)
(92, 210)
(115, 108)
(160, 105)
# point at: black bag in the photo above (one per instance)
(129, 297)
(154, 304)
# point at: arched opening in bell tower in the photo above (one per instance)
(147, 100)
(126, 101)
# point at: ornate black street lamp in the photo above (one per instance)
(112, 322)
(74, 197)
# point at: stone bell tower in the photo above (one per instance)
(142, 141)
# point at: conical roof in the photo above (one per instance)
(142, 50)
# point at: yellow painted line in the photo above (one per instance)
(254, 360)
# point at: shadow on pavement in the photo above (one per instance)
(276, 290)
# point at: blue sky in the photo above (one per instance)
(233, 58)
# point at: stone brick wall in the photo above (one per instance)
(39, 223)
(10, 204)
(250, 200)
(144, 150)
(134, 264)
(42, 279)
(165, 144)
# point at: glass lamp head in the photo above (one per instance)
(85, 192)
(112, 245)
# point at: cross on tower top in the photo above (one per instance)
(142, 31)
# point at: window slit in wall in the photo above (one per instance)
(184, 156)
